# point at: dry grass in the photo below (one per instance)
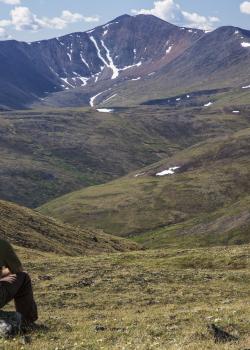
(142, 300)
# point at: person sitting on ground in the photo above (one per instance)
(16, 284)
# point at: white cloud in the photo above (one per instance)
(90, 19)
(165, 9)
(70, 17)
(22, 18)
(170, 11)
(245, 7)
(53, 23)
(11, 2)
(198, 21)
(5, 23)
(3, 34)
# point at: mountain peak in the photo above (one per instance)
(119, 18)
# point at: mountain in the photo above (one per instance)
(130, 60)
(218, 60)
(200, 195)
(29, 229)
(123, 49)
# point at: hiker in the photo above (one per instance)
(16, 284)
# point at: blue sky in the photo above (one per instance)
(30, 20)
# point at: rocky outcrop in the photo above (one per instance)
(10, 324)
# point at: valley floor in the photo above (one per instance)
(160, 300)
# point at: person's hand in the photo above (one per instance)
(5, 271)
(9, 279)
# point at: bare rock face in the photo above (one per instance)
(10, 324)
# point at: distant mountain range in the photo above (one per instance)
(129, 60)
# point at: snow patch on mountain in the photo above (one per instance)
(91, 31)
(111, 63)
(109, 98)
(169, 171)
(208, 104)
(53, 71)
(105, 110)
(92, 100)
(84, 80)
(169, 49)
(65, 80)
(140, 174)
(245, 44)
(109, 24)
(132, 66)
(83, 60)
(98, 51)
(97, 75)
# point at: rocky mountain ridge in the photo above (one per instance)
(126, 48)
(128, 61)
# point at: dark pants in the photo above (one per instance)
(19, 289)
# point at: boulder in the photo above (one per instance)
(10, 324)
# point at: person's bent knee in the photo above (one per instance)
(24, 276)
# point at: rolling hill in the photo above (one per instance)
(47, 153)
(29, 229)
(204, 190)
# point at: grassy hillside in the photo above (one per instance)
(45, 154)
(27, 228)
(213, 175)
(226, 226)
(155, 300)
